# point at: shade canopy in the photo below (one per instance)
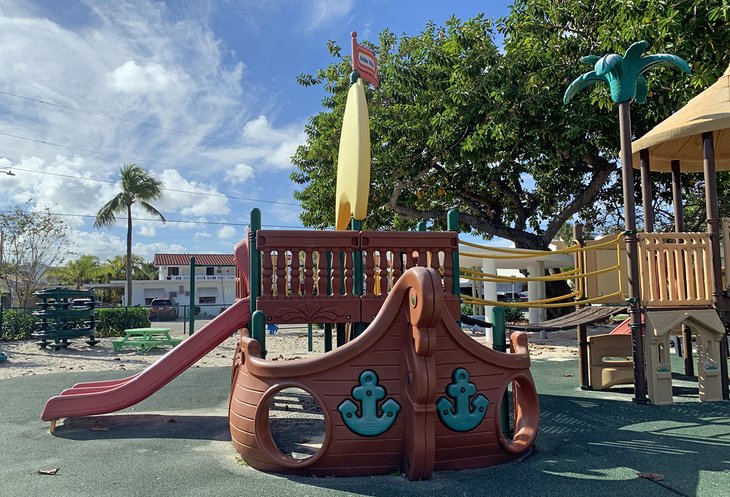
(679, 137)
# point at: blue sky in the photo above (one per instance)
(202, 94)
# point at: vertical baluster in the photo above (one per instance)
(448, 272)
(308, 279)
(410, 261)
(423, 259)
(348, 272)
(703, 270)
(322, 274)
(690, 270)
(663, 275)
(396, 266)
(369, 272)
(384, 272)
(295, 270)
(281, 272)
(266, 272)
(335, 276)
(672, 275)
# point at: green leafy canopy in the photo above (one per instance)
(462, 121)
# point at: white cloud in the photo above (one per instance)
(147, 230)
(133, 78)
(326, 11)
(202, 235)
(227, 232)
(190, 204)
(240, 173)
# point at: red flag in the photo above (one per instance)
(364, 62)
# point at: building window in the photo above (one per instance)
(173, 271)
(206, 300)
(209, 271)
(153, 293)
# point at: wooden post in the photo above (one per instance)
(646, 199)
(624, 114)
(713, 229)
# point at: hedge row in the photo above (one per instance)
(110, 322)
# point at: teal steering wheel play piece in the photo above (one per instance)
(369, 423)
(461, 415)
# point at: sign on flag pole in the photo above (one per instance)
(364, 62)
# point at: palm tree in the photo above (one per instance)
(137, 187)
(82, 270)
(625, 78)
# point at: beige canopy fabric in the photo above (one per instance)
(679, 137)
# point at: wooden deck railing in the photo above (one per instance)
(675, 269)
(309, 276)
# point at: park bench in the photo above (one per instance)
(145, 339)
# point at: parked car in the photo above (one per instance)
(510, 297)
(163, 310)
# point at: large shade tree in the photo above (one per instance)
(138, 187)
(459, 121)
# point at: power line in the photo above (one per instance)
(140, 123)
(206, 194)
(128, 159)
(179, 221)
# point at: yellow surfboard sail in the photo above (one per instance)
(353, 160)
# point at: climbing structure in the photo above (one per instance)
(412, 393)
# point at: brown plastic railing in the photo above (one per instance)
(309, 276)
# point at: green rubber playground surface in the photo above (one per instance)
(176, 444)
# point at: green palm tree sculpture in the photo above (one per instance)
(625, 78)
(624, 75)
(137, 187)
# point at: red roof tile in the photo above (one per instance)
(200, 259)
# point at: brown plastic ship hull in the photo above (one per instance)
(413, 393)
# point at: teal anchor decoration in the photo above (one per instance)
(462, 416)
(369, 423)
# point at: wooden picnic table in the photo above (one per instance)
(145, 339)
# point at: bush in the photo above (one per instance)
(513, 314)
(112, 321)
(18, 324)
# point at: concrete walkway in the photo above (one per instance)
(176, 444)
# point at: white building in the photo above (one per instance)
(215, 281)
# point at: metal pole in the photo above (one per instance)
(499, 343)
(255, 258)
(191, 324)
(624, 114)
(582, 329)
(258, 330)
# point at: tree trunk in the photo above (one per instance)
(129, 255)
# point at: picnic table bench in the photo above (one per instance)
(145, 339)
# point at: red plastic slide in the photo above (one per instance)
(99, 397)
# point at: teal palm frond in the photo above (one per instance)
(624, 74)
(581, 82)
